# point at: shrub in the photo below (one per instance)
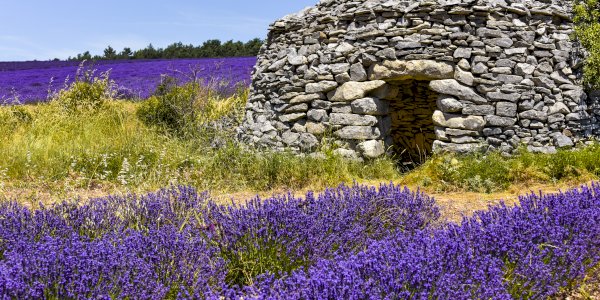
(491, 172)
(179, 244)
(87, 93)
(232, 165)
(188, 109)
(173, 108)
(281, 234)
(11, 117)
(587, 31)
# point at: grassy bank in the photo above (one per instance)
(85, 143)
(491, 172)
(46, 149)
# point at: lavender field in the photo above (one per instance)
(30, 82)
(354, 242)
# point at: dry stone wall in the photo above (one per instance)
(417, 76)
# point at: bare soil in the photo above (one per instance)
(454, 205)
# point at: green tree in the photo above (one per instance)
(110, 53)
(252, 47)
(587, 31)
(126, 53)
(85, 56)
(210, 48)
(148, 53)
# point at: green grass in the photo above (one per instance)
(46, 146)
(492, 172)
(98, 143)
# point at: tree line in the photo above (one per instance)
(210, 48)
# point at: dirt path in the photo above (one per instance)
(454, 204)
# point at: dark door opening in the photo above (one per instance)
(412, 133)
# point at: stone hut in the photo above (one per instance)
(412, 77)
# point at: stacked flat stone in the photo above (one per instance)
(415, 76)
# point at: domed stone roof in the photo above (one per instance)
(377, 76)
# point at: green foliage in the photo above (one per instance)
(188, 110)
(587, 31)
(13, 116)
(210, 48)
(113, 147)
(173, 108)
(492, 172)
(249, 258)
(234, 165)
(110, 53)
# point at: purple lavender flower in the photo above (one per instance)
(530, 251)
(349, 243)
(136, 79)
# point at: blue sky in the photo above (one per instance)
(44, 29)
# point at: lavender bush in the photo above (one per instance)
(345, 243)
(284, 233)
(531, 251)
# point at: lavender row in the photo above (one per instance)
(30, 82)
(535, 250)
(346, 243)
(180, 244)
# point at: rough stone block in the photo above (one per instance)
(463, 53)
(457, 121)
(464, 77)
(370, 106)
(352, 119)
(523, 69)
(319, 115)
(292, 117)
(506, 109)
(371, 149)
(513, 97)
(497, 121)
(452, 87)
(534, 115)
(563, 141)
(321, 87)
(559, 107)
(305, 98)
(449, 104)
(503, 42)
(411, 69)
(321, 104)
(358, 133)
(355, 90)
(439, 147)
(316, 128)
(290, 138)
(478, 110)
(358, 72)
